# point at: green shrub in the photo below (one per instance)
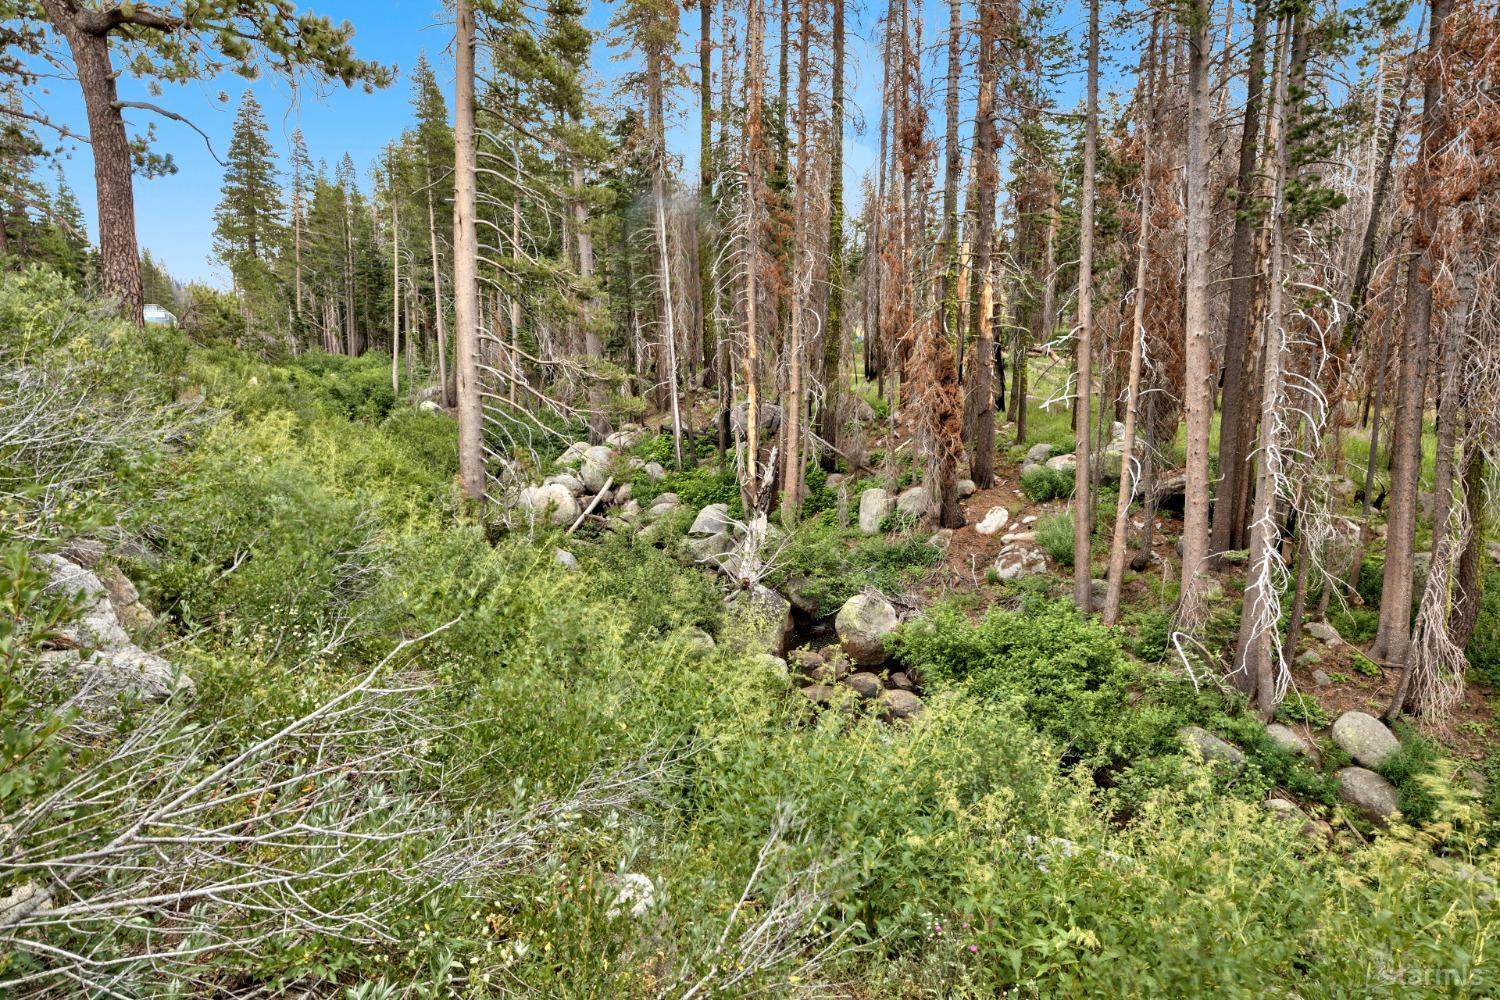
(1299, 707)
(827, 565)
(1065, 671)
(1148, 633)
(1055, 536)
(1041, 484)
(1484, 648)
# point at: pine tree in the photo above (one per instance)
(248, 220)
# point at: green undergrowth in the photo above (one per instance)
(302, 527)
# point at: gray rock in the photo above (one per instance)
(595, 467)
(875, 505)
(1211, 748)
(84, 552)
(572, 456)
(711, 520)
(834, 481)
(863, 624)
(565, 559)
(901, 681)
(941, 539)
(552, 501)
(1321, 678)
(966, 488)
(1067, 463)
(567, 480)
(819, 694)
(1039, 453)
(1365, 738)
(630, 510)
(914, 502)
(654, 471)
(1289, 739)
(623, 492)
(865, 684)
(1016, 561)
(773, 665)
(1369, 793)
(712, 549)
(765, 616)
(428, 406)
(1309, 657)
(696, 640)
(900, 704)
(1323, 632)
(993, 522)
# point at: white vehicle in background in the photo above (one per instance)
(156, 315)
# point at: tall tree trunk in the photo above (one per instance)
(982, 461)
(395, 289)
(707, 272)
(1083, 507)
(439, 321)
(1394, 633)
(1198, 355)
(754, 137)
(1470, 565)
(1128, 481)
(465, 263)
(833, 333)
(655, 83)
(1255, 671)
(593, 348)
(114, 176)
(1229, 516)
(801, 282)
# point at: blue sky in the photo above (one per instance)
(175, 212)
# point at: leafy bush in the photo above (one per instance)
(1041, 484)
(827, 565)
(1148, 633)
(1064, 670)
(1055, 536)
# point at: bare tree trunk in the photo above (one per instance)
(1116, 575)
(1465, 613)
(754, 48)
(465, 263)
(437, 299)
(119, 253)
(598, 419)
(395, 288)
(663, 262)
(833, 333)
(1198, 409)
(801, 281)
(1229, 516)
(1083, 507)
(982, 461)
(1394, 633)
(1365, 533)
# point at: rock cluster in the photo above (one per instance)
(98, 654)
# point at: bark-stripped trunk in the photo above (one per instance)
(982, 461)
(465, 263)
(833, 333)
(439, 323)
(1394, 633)
(1083, 508)
(1198, 408)
(1229, 512)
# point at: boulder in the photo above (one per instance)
(654, 471)
(565, 559)
(594, 469)
(711, 520)
(627, 437)
(805, 662)
(1039, 453)
(834, 481)
(428, 406)
(1365, 738)
(819, 694)
(572, 456)
(941, 539)
(901, 681)
(966, 488)
(773, 665)
(766, 618)
(711, 549)
(1016, 561)
(1211, 748)
(865, 684)
(863, 624)
(696, 640)
(567, 481)
(993, 522)
(1369, 793)
(1323, 632)
(767, 415)
(900, 704)
(85, 552)
(1309, 657)
(1321, 678)
(630, 510)
(1066, 464)
(623, 492)
(913, 502)
(105, 663)
(874, 505)
(1289, 739)
(552, 501)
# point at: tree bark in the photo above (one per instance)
(114, 175)
(1198, 409)
(833, 333)
(1229, 515)
(1394, 633)
(1083, 508)
(465, 263)
(982, 461)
